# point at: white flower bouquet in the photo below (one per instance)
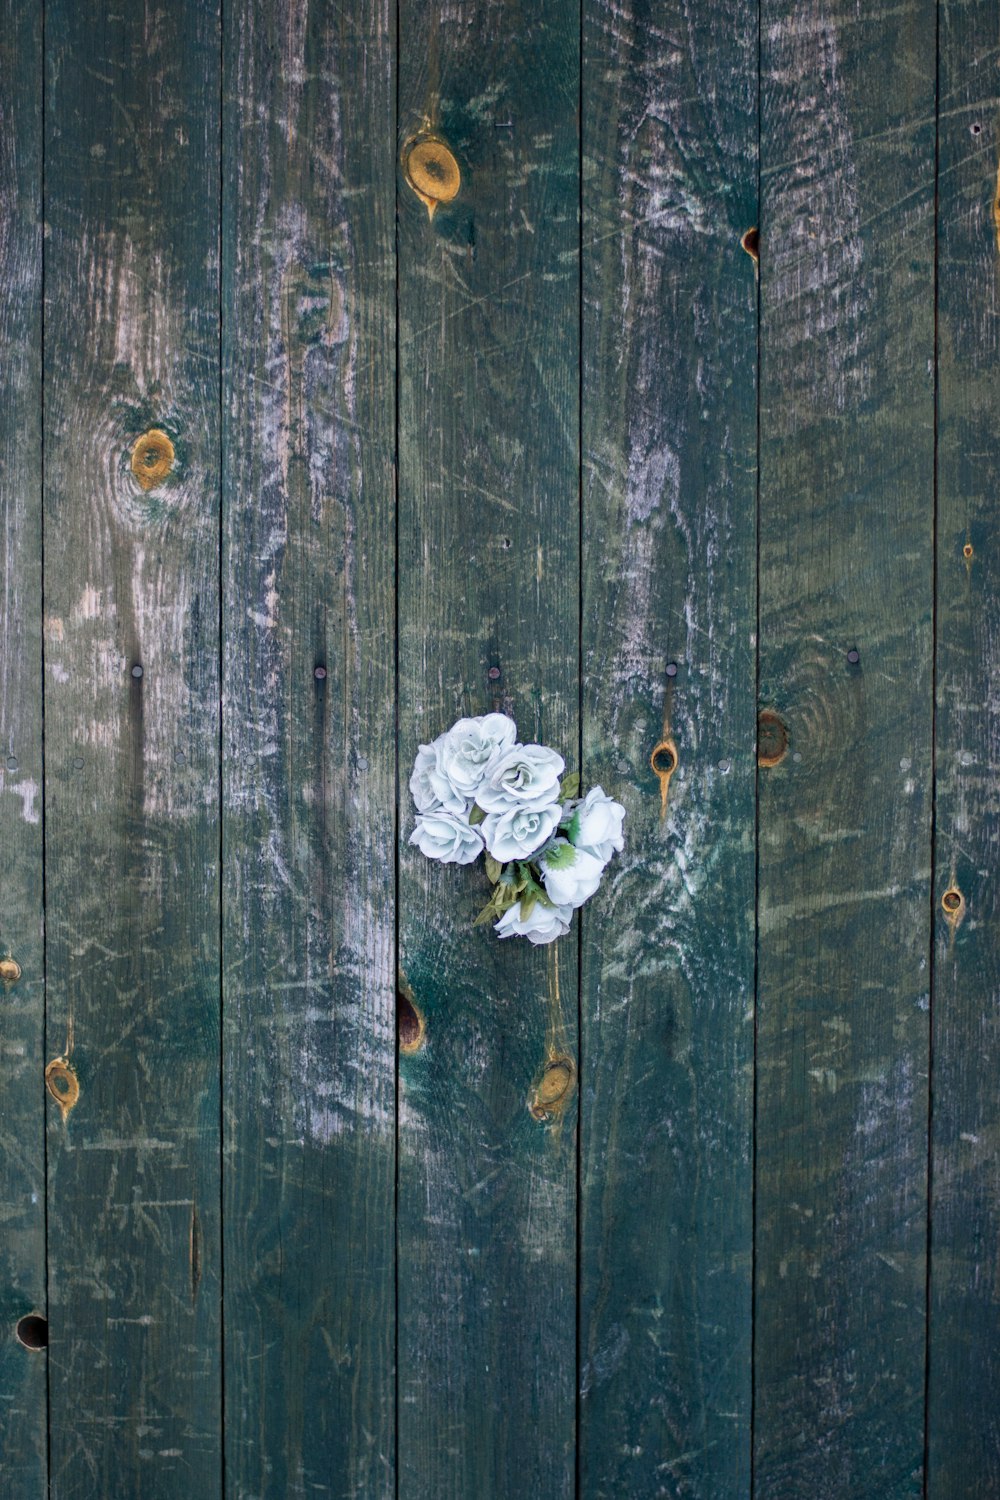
(478, 791)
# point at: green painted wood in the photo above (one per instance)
(22, 995)
(488, 582)
(963, 1424)
(309, 762)
(132, 762)
(846, 564)
(669, 522)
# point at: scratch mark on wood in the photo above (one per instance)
(194, 1251)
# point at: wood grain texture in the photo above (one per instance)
(669, 524)
(22, 1119)
(846, 560)
(488, 580)
(963, 1437)
(132, 762)
(309, 766)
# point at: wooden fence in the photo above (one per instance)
(629, 367)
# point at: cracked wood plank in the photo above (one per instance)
(963, 1425)
(132, 747)
(488, 609)
(22, 995)
(309, 762)
(669, 414)
(846, 597)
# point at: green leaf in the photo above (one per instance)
(494, 869)
(476, 815)
(507, 898)
(570, 786)
(528, 902)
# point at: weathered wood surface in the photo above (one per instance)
(309, 761)
(489, 617)
(22, 977)
(473, 1325)
(846, 566)
(132, 761)
(963, 1419)
(669, 522)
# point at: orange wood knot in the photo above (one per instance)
(953, 905)
(967, 551)
(431, 171)
(751, 244)
(152, 458)
(772, 738)
(62, 1083)
(552, 1092)
(10, 972)
(411, 1028)
(664, 763)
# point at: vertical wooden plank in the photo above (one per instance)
(309, 766)
(963, 1438)
(846, 594)
(670, 436)
(131, 746)
(22, 979)
(488, 609)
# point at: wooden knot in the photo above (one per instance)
(772, 738)
(664, 763)
(152, 458)
(10, 972)
(431, 171)
(62, 1083)
(551, 1093)
(953, 905)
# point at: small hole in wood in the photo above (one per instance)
(772, 738)
(952, 901)
(32, 1331)
(967, 551)
(975, 129)
(63, 1084)
(751, 244)
(664, 759)
(411, 1027)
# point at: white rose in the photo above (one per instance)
(518, 832)
(525, 776)
(447, 837)
(571, 876)
(431, 789)
(543, 924)
(468, 748)
(596, 825)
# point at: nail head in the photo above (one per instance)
(137, 671)
(319, 673)
(854, 656)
